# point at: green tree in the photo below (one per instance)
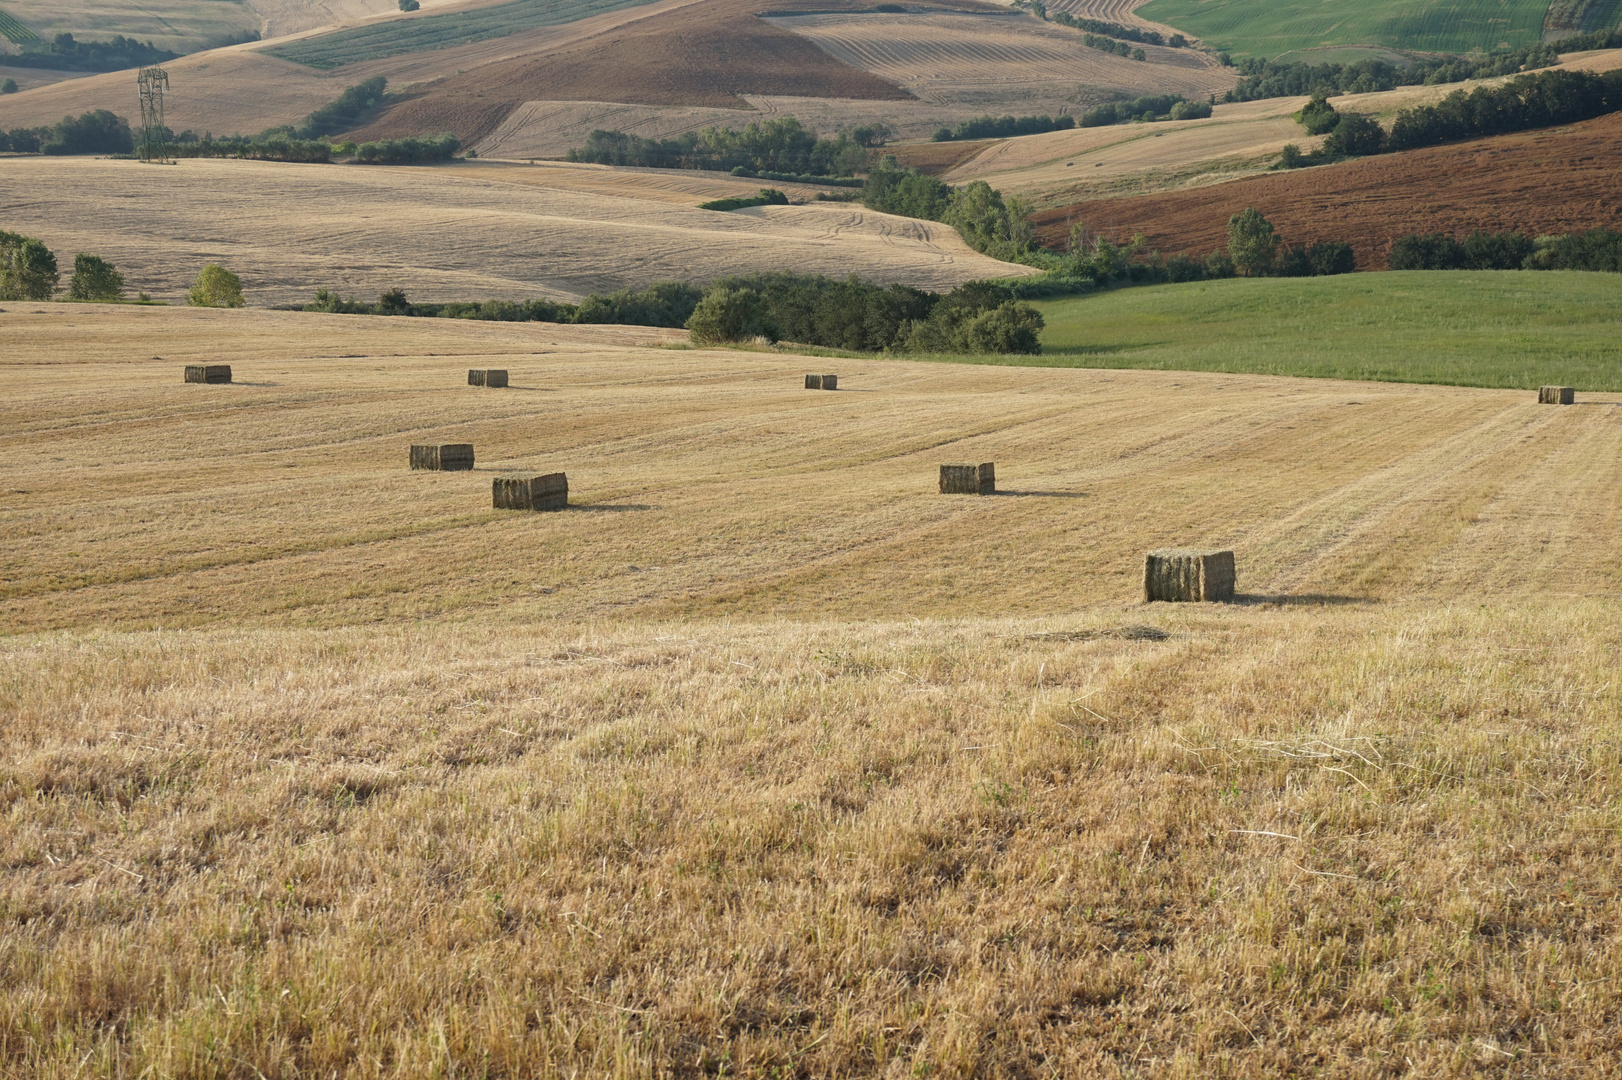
(94, 132)
(409, 5)
(1252, 244)
(216, 287)
(1355, 135)
(8, 87)
(94, 278)
(27, 268)
(730, 315)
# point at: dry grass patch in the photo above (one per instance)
(467, 231)
(768, 760)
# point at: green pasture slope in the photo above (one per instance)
(1511, 329)
(422, 32)
(1270, 27)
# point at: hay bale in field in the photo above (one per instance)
(208, 373)
(549, 492)
(830, 382)
(813, 382)
(449, 457)
(487, 377)
(1191, 574)
(1556, 395)
(969, 479)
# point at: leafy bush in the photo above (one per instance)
(24, 140)
(1318, 117)
(349, 108)
(990, 225)
(216, 287)
(664, 303)
(1430, 251)
(1354, 135)
(1116, 30)
(1316, 260)
(409, 5)
(94, 132)
(906, 193)
(27, 268)
(725, 316)
(1596, 249)
(408, 151)
(8, 86)
(1252, 243)
(95, 279)
(767, 197)
(1496, 251)
(1104, 44)
(979, 317)
(1191, 110)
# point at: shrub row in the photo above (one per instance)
(1004, 127)
(1269, 79)
(1116, 30)
(795, 178)
(1595, 249)
(782, 146)
(767, 197)
(95, 132)
(1150, 108)
(988, 223)
(1109, 45)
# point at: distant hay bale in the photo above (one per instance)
(830, 382)
(549, 492)
(208, 373)
(1556, 395)
(491, 377)
(449, 457)
(813, 382)
(969, 479)
(1188, 574)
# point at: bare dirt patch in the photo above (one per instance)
(1539, 182)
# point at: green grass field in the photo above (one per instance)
(1276, 26)
(439, 31)
(1511, 329)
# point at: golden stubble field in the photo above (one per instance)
(468, 231)
(767, 760)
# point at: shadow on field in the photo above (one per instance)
(615, 509)
(1299, 599)
(1046, 494)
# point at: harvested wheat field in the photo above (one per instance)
(1540, 182)
(456, 232)
(765, 759)
(1000, 61)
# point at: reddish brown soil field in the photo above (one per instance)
(705, 54)
(1539, 182)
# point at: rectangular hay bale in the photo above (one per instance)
(961, 479)
(449, 457)
(1556, 395)
(830, 382)
(208, 373)
(549, 492)
(487, 377)
(813, 382)
(1188, 574)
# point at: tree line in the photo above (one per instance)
(308, 142)
(1593, 250)
(1003, 127)
(1541, 99)
(65, 53)
(28, 271)
(781, 145)
(806, 309)
(1270, 79)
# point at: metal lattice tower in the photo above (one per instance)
(153, 82)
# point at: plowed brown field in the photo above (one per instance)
(707, 54)
(1547, 181)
